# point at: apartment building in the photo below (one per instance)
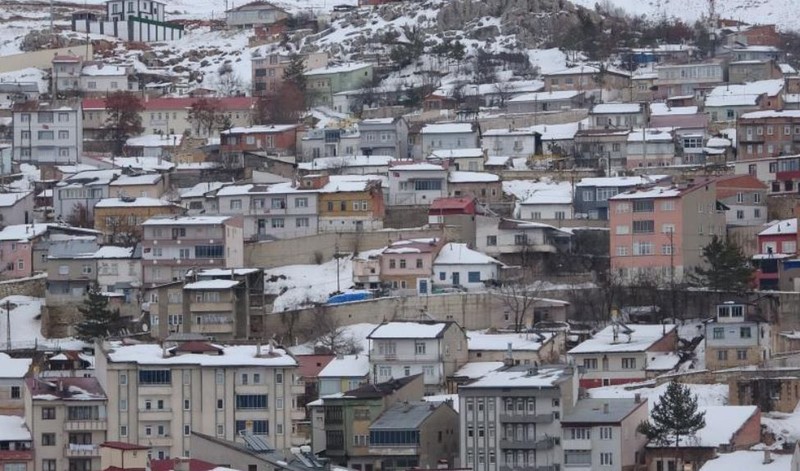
(173, 245)
(591, 195)
(651, 148)
(601, 84)
(449, 136)
(416, 183)
(330, 142)
(254, 14)
(66, 73)
(689, 79)
(769, 133)
(268, 70)
(725, 103)
(621, 353)
(68, 420)
(737, 339)
(349, 203)
(98, 79)
(407, 265)
(24, 248)
(277, 139)
(47, 133)
(80, 192)
(659, 232)
(513, 241)
(120, 218)
(618, 116)
(746, 198)
(384, 136)
(159, 395)
(510, 419)
(434, 349)
(324, 82)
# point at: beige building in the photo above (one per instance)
(67, 419)
(735, 339)
(161, 395)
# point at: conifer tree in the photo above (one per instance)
(674, 418)
(295, 72)
(99, 321)
(727, 268)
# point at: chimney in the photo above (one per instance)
(767, 456)
(637, 398)
(163, 350)
(509, 357)
(605, 408)
(258, 349)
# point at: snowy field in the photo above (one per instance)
(26, 325)
(307, 284)
(707, 394)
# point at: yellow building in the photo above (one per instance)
(348, 203)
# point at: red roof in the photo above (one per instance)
(462, 203)
(197, 346)
(124, 446)
(169, 465)
(159, 104)
(310, 365)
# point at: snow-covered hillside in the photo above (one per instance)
(750, 11)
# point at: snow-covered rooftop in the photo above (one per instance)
(13, 367)
(662, 361)
(501, 342)
(13, 429)
(642, 337)
(447, 128)
(97, 70)
(23, 232)
(155, 140)
(110, 251)
(349, 161)
(545, 96)
(458, 176)
(771, 114)
(459, 254)
(616, 108)
(409, 330)
(722, 422)
(264, 129)
(620, 181)
(478, 369)
(662, 109)
(141, 201)
(751, 460)
(542, 377)
(147, 179)
(185, 220)
(211, 284)
(743, 95)
(467, 153)
(337, 69)
(346, 366)
(426, 167)
(232, 355)
(539, 192)
(785, 226)
(10, 199)
(650, 135)
(654, 192)
(200, 189)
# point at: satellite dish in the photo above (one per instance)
(145, 327)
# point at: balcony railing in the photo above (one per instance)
(74, 425)
(527, 418)
(74, 450)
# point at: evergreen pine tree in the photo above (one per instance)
(674, 418)
(727, 268)
(98, 320)
(295, 72)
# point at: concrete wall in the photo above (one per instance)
(320, 247)
(42, 59)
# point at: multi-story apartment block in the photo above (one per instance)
(511, 419)
(148, 185)
(769, 133)
(434, 349)
(659, 232)
(16, 444)
(620, 354)
(384, 136)
(349, 203)
(618, 116)
(68, 420)
(48, 133)
(66, 73)
(449, 136)
(725, 103)
(158, 395)
(77, 194)
(651, 148)
(274, 139)
(98, 79)
(602, 148)
(601, 84)
(746, 198)
(173, 245)
(24, 248)
(330, 142)
(471, 159)
(254, 14)
(268, 70)
(591, 195)
(120, 218)
(119, 270)
(416, 183)
(735, 339)
(601, 434)
(518, 242)
(693, 79)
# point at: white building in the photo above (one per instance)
(12, 382)
(349, 165)
(416, 184)
(82, 190)
(458, 265)
(158, 395)
(651, 147)
(434, 349)
(537, 200)
(471, 159)
(618, 116)
(449, 136)
(101, 78)
(119, 270)
(48, 133)
(343, 373)
(734, 339)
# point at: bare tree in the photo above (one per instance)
(228, 82)
(518, 298)
(328, 333)
(121, 230)
(504, 93)
(80, 216)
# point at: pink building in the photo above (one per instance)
(408, 264)
(24, 247)
(659, 232)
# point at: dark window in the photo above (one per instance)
(394, 437)
(251, 401)
(643, 227)
(260, 427)
(155, 377)
(643, 206)
(83, 413)
(209, 251)
(48, 413)
(15, 392)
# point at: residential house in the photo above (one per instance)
(367, 269)
(552, 101)
(324, 82)
(12, 92)
(384, 136)
(620, 353)
(70, 267)
(146, 185)
(599, 83)
(756, 460)
(76, 195)
(100, 79)
(348, 203)
(348, 165)
(485, 187)
(273, 139)
(592, 193)
(727, 429)
(650, 147)
(66, 73)
(467, 159)
(258, 13)
(725, 103)
(153, 145)
(24, 248)
(548, 201)
(217, 308)
(120, 218)
(173, 245)
(746, 198)
(200, 198)
(769, 133)
(518, 242)
(435, 350)
(449, 136)
(753, 70)
(277, 211)
(406, 265)
(659, 232)
(415, 435)
(512, 417)
(256, 454)
(618, 116)
(139, 21)
(602, 148)
(268, 70)
(341, 421)
(457, 265)
(754, 52)
(344, 373)
(413, 184)
(12, 383)
(47, 133)
(529, 348)
(776, 245)
(602, 433)
(330, 142)
(16, 208)
(244, 387)
(543, 139)
(736, 339)
(68, 417)
(688, 79)
(16, 444)
(683, 119)
(119, 270)
(123, 456)
(454, 211)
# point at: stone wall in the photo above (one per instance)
(400, 217)
(34, 286)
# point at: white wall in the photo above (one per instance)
(486, 271)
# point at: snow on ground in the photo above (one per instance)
(307, 284)
(548, 60)
(707, 394)
(30, 74)
(26, 325)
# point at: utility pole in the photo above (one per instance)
(336, 256)
(8, 325)
(672, 271)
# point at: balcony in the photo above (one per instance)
(547, 443)
(577, 444)
(155, 440)
(746, 138)
(73, 450)
(787, 175)
(213, 328)
(518, 444)
(223, 307)
(87, 425)
(527, 418)
(159, 415)
(394, 450)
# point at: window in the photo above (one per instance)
(48, 465)
(426, 184)
(643, 248)
(722, 355)
(419, 347)
(419, 263)
(123, 430)
(402, 263)
(301, 222)
(474, 277)
(588, 195)
(745, 332)
(155, 377)
(236, 204)
(187, 404)
(244, 378)
(187, 430)
(577, 458)
(756, 197)
(48, 439)
(428, 371)
(606, 459)
(278, 203)
(45, 135)
(719, 333)
(48, 413)
(392, 263)
(590, 363)
(220, 404)
(741, 355)
(278, 223)
(580, 433)
(643, 206)
(667, 249)
(220, 429)
(209, 251)
(15, 392)
(629, 363)
(278, 377)
(251, 401)
(63, 134)
(622, 251)
(622, 230)
(668, 205)
(301, 202)
(643, 227)
(606, 433)
(520, 239)
(491, 240)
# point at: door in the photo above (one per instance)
(456, 278)
(423, 286)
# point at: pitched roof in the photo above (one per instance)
(602, 411)
(379, 390)
(640, 338)
(405, 416)
(409, 330)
